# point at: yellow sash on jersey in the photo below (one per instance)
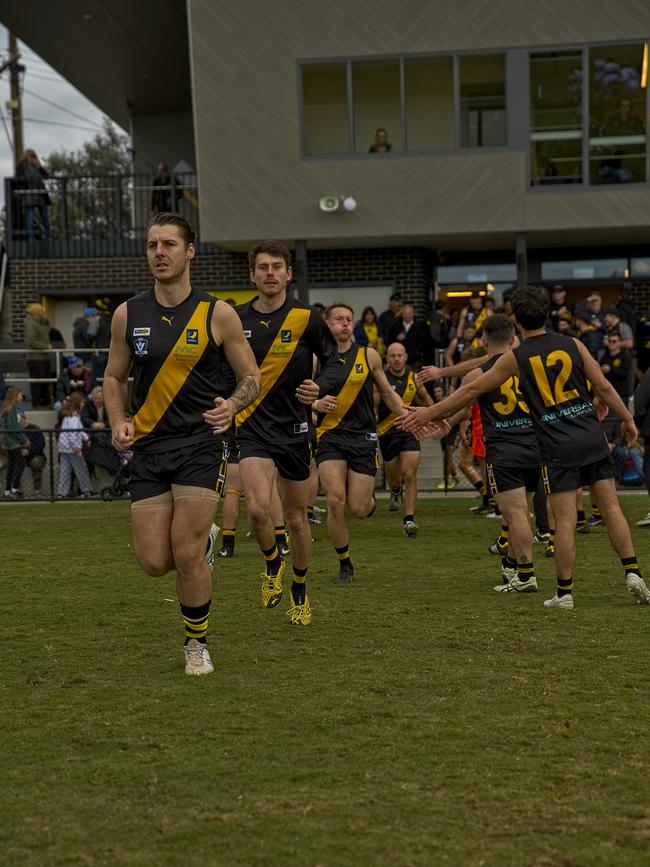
(174, 371)
(347, 395)
(278, 357)
(410, 390)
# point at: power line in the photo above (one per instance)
(60, 107)
(57, 123)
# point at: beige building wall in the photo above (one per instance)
(254, 182)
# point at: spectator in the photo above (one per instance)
(93, 412)
(415, 336)
(439, 325)
(559, 306)
(565, 325)
(616, 364)
(595, 309)
(614, 325)
(31, 193)
(57, 342)
(102, 338)
(366, 331)
(84, 333)
(590, 334)
(14, 441)
(71, 442)
(166, 191)
(381, 145)
(37, 339)
(388, 317)
(626, 309)
(74, 378)
(642, 421)
(34, 458)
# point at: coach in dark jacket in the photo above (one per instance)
(415, 337)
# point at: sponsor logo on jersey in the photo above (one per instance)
(247, 333)
(303, 427)
(141, 332)
(167, 319)
(141, 346)
(358, 368)
(265, 322)
(285, 335)
(192, 336)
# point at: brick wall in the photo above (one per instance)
(407, 268)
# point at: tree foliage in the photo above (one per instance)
(92, 195)
(107, 153)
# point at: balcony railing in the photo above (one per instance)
(93, 215)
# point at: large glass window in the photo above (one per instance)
(556, 118)
(325, 106)
(617, 115)
(429, 88)
(585, 269)
(483, 101)
(377, 107)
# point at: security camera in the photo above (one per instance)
(329, 204)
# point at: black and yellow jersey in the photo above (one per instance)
(553, 383)
(284, 343)
(354, 413)
(405, 387)
(177, 370)
(508, 431)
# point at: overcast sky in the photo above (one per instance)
(55, 114)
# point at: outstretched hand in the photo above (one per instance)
(427, 373)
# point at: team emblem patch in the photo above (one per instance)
(192, 336)
(358, 368)
(141, 346)
(285, 336)
(247, 333)
(141, 332)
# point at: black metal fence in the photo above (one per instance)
(92, 216)
(40, 472)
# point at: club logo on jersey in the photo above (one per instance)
(285, 335)
(141, 332)
(247, 333)
(167, 319)
(141, 346)
(192, 336)
(265, 322)
(358, 368)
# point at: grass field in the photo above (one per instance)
(421, 719)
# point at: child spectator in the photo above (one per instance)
(72, 439)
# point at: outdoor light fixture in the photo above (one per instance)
(330, 204)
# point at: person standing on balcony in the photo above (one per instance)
(31, 193)
(166, 191)
(37, 340)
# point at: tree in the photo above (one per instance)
(92, 189)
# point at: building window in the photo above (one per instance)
(556, 118)
(429, 87)
(325, 107)
(585, 269)
(376, 99)
(483, 101)
(617, 115)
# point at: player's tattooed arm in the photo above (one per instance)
(246, 391)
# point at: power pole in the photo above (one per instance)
(15, 104)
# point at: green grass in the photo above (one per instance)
(421, 719)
